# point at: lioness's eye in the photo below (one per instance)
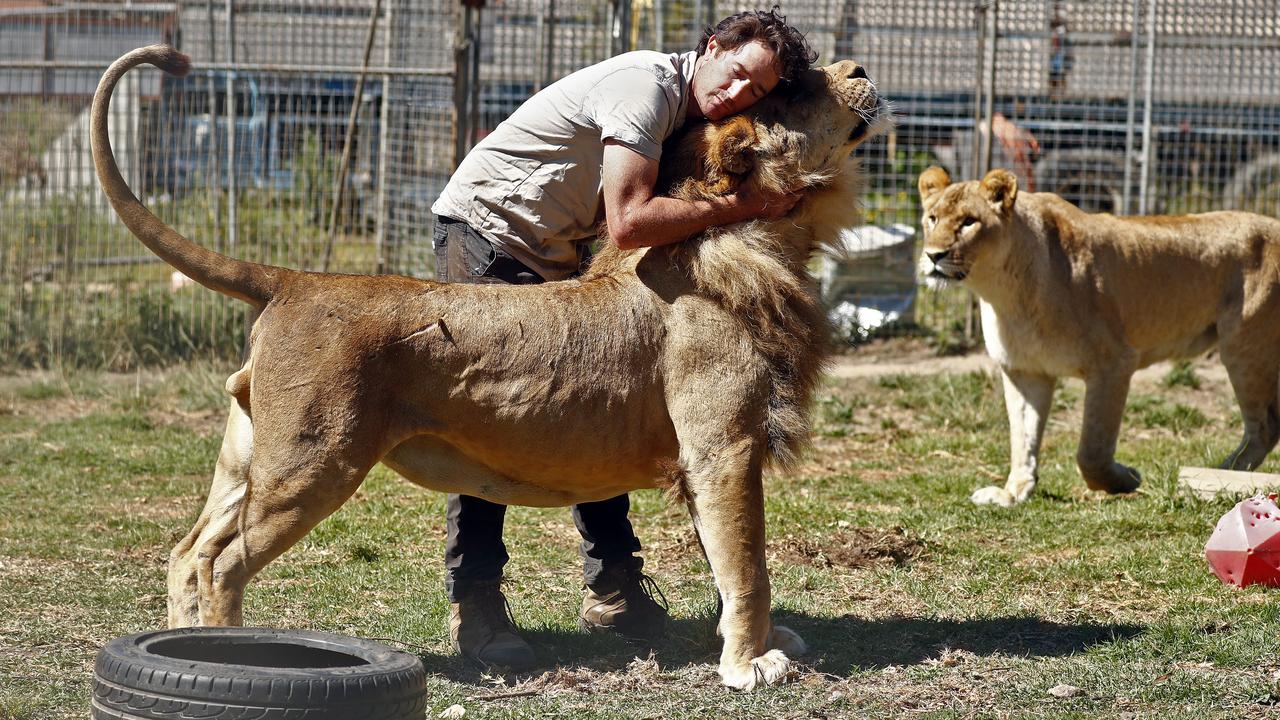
(932, 219)
(967, 222)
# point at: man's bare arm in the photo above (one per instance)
(638, 218)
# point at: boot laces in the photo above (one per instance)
(638, 585)
(495, 607)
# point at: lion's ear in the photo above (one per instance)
(1000, 188)
(932, 181)
(730, 149)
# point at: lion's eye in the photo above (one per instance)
(932, 220)
(967, 222)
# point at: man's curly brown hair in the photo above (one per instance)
(770, 28)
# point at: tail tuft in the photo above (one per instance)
(169, 60)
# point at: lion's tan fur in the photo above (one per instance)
(688, 366)
(1095, 296)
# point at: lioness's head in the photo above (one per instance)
(963, 223)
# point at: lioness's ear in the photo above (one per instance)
(1000, 188)
(932, 181)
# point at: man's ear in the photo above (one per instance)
(730, 148)
(1000, 188)
(932, 181)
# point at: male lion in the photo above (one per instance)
(1066, 293)
(689, 365)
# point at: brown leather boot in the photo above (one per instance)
(623, 602)
(481, 628)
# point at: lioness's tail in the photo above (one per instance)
(251, 282)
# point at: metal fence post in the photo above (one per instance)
(619, 26)
(980, 22)
(384, 124)
(1148, 92)
(659, 25)
(214, 189)
(1127, 190)
(344, 165)
(231, 130)
(994, 34)
(462, 50)
(986, 15)
(549, 46)
(473, 126)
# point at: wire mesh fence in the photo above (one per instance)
(316, 134)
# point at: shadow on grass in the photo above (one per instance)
(837, 645)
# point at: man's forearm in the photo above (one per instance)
(665, 220)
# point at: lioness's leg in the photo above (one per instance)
(727, 504)
(1104, 398)
(1027, 397)
(221, 508)
(1257, 385)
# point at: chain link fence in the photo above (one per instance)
(317, 134)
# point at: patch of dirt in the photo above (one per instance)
(639, 674)
(202, 422)
(157, 508)
(911, 363)
(850, 548)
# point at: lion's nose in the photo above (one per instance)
(857, 73)
(936, 256)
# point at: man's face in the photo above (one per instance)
(728, 81)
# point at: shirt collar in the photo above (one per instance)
(684, 64)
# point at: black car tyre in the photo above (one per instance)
(264, 674)
(1255, 186)
(1092, 179)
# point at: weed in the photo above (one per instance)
(1182, 374)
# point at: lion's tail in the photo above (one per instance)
(250, 282)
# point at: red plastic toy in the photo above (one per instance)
(1245, 547)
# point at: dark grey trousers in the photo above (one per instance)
(474, 551)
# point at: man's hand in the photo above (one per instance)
(764, 205)
(638, 218)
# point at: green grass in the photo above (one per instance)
(915, 603)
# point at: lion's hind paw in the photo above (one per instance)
(768, 669)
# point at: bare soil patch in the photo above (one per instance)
(850, 548)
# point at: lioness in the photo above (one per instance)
(689, 366)
(1069, 294)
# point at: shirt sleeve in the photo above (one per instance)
(631, 106)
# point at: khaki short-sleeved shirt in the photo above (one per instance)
(533, 186)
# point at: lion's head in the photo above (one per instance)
(799, 138)
(964, 224)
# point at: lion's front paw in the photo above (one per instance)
(1115, 479)
(767, 669)
(788, 641)
(993, 495)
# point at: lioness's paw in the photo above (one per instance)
(788, 641)
(1115, 479)
(767, 669)
(992, 495)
